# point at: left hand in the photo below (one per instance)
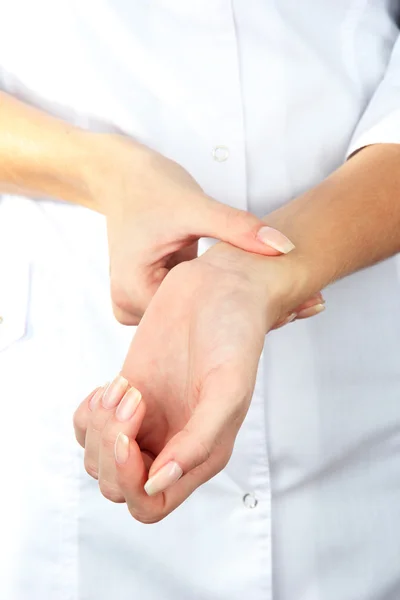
(194, 359)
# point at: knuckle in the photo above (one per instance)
(126, 309)
(111, 491)
(98, 421)
(80, 435)
(146, 518)
(76, 420)
(79, 421)
(203, 451)
(119, 295)
(80, 438)
(91, 468)
(236, 220)
(107, 440)
(124, 317)
(200, 448)
(224, 460)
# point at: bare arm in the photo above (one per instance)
(41, 156)
(346, 223)
(155, 210)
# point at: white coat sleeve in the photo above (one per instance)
(380, 123)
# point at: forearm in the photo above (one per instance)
(348, 222)
(42, 156)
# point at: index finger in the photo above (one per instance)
(81, 417)
(189, 459)
(131, 476)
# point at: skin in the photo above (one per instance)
(195, 354)
(137, 190)
(192, 347)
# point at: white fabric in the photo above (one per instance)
(380, 122)
(283, 85)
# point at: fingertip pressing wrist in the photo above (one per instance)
(283, 282)
(275, 239)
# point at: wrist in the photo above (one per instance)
(279, 283)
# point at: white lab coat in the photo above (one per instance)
(309, 506)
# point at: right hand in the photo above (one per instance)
(156, 213)
(194, 358)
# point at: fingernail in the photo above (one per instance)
(114, 392)
(121, 448)
(289, 319)
(96, 397)
(128, 405)
(275, 239)
(166, 476)
(310, 312)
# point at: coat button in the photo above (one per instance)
(220, 153)
(250, 500)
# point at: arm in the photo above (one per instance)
(352, 219)
(348, 222)
(138, 191)
(41, 156)
(195, 395)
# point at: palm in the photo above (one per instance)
(194, 359)
(200, 338)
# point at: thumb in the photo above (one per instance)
(196, 453)
(242, 229)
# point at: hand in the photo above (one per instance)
(194, 358)
(156, 212)
(310, 308)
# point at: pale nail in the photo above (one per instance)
(289, 319)
(114, 392)
(121, 448)
(128, 405)
(166, 476)
(274, 238)
(96, 397)
(311, 312)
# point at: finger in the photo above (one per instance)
(199, 451)
(240, 228)
(187, 450)
(289, 319)
(101, 411)
(126, 309)
(126, 317)
(131, 471)
(125, 420)
(316, 299)
(82, 415)
(129, 305)
(311, 312)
